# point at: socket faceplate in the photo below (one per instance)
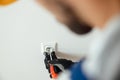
(48, 47)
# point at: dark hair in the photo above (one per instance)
(74, 23)
(79, 27)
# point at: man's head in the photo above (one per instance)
(77, 14)
(95, 12)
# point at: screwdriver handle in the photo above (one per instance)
(52, 71)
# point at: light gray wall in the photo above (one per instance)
(23, 26)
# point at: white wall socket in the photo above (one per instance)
(49, 44)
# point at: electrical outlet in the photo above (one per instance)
(49, 45)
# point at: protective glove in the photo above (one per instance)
(62, 64)
(59, 65)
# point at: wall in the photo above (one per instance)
(23, 26)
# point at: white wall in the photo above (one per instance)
(23, 26)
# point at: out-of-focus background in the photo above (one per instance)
(23, 26)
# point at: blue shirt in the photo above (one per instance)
(77, 72)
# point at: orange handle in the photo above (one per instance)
(53, 74)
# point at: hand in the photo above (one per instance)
(59, 65)
(62, 64)
(66, 14)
